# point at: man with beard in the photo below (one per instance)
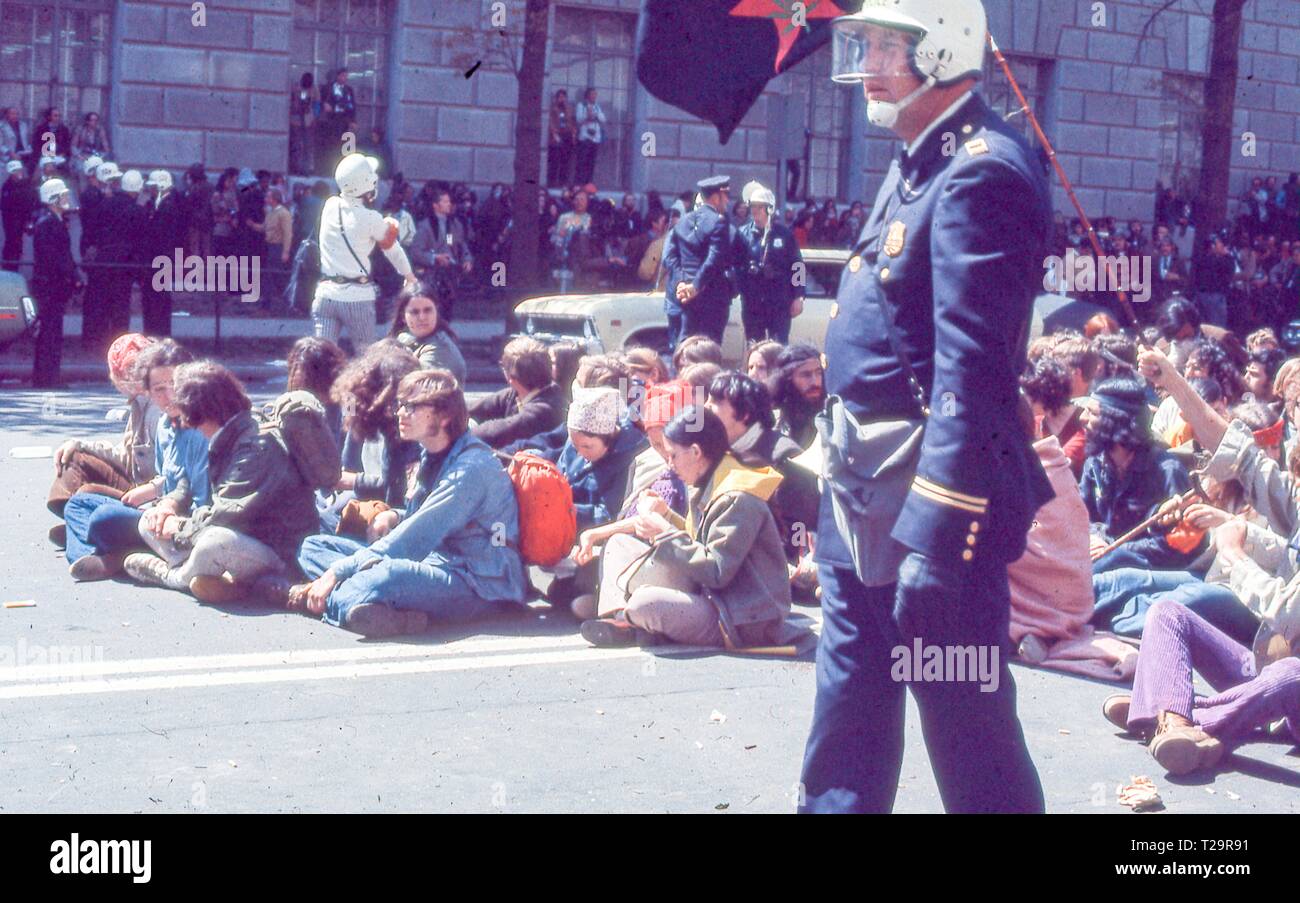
(799, 392)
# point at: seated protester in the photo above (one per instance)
(799, 392)
(1126, 478)
(1123, 597)
(377, 464)
(418, 328)
(699, 376)
(1264, 339)
(1116, 357)
(745, 409)
(531, 404)
(1187, 731)
(650, 470)
(1205, 360)
(725, 560)
(760, 359)
(1177, 432)
(1047, 386)
(450, 557)
(1080, 359)
(1179, 322)
(646, 365)
(110, 469)
(246, 539)
(696, 349)
(594, 370)
(1265, 425)
(313, 366)
(102, 530)
(597, 459)
(566, 357)
(1260, 373)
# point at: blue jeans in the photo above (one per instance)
(98, 524)
(855, 748)
(1124, 596)
(440, 593)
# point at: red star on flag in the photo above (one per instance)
(782, 13)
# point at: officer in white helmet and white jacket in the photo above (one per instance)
(349, 231)
(924, 351)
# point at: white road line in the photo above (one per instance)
(358, 653)
(321, 672)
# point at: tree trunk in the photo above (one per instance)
(522, 275)
(1217, 138)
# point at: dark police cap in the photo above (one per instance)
(712, 184)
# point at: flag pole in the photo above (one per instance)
(1065, 180)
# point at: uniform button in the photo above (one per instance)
(974, 526)
(970, 540)
(967, 555)
(835, 310)
(855, 264)
(966, 129)
(884, 275)
(824, 365)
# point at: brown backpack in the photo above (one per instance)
(548, 522)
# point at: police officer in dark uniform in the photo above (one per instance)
(769, 270)
(18, 201)
(925, 345)
(166, 233)
(123, 230)
(54, 278)
(96, 230)
(699, 289)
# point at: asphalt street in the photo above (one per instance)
(124, 699)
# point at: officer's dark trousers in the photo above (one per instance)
(855, 748)
(762, 322)
(13, 246)
(50, 306)
(675, 328)
(707, 320)
(95, 322)
(156, 307)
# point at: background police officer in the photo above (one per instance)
(697, 260)
(769, 270)
(54, 277)
(97, 227)
(929, 329)
(164, 235)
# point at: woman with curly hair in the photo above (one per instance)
(1047, 385)
(377, 464)
(1126, 478)
(1208, 358)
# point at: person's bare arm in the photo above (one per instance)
(1207, 424)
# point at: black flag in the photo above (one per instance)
(712, 58)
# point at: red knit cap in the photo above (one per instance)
(122, 354)
(664, 401)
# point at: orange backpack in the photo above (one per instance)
(548, 522)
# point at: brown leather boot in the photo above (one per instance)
(1181, 747)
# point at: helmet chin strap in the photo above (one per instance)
(885, 114)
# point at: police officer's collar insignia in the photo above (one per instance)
(896, 238)
(977, 148)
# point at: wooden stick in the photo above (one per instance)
(1183, 499)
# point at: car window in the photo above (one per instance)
(823, 280)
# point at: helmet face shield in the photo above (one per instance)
(863, 50)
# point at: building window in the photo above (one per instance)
(352, 34)
(1033, 76)
(826, 129)
(591, 49)
(1182, 117)
(55, 54)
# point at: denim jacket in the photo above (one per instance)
(463, 519)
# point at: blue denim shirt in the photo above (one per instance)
(181, 459)
(466, 523)
(1118, 504)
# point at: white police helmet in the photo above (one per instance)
(357, 176)
(52, 190)
(938, 41)
(160, 179)
(756, 193)
(13, 166)
(91, 166)
(132, 181)
(107, 171)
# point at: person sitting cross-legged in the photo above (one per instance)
(242, 544)
(451, 556)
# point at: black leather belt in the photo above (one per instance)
(347, 280)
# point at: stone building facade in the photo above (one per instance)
(1120, 94)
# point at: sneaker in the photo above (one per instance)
(1114, 708)
(1184, 748)
(217, 590)
(59, 535)
(96, 567)
(375, 619)
(147, 569)
(610, 632)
